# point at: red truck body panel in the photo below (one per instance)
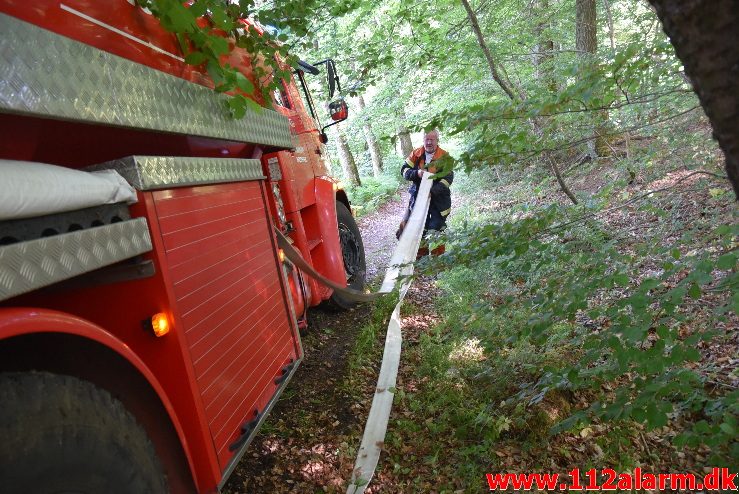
(217, 273)
(219, 280)
(229, 297)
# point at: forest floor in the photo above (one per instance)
(309, 443)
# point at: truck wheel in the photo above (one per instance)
(352, 250)
(64, 435)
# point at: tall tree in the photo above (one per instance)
(372, 144)
(609, 20)
(586, 40)
(544, 46)
(706, 39)
(537, 124)
(348, 165)
(404, 135)
(586, 43)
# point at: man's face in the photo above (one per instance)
(431, 142)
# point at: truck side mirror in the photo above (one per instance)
(339, 110)
(332, 78)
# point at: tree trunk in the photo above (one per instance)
(586, 39)
(348, 165)
(406, 145)
(706, 39)
(372, 144)
(609, 19)
(486, 51)
(404, 135)
(544, 47)
(586, 42)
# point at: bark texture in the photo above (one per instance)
(348, 165)
(586, 39)
(705, 34)
(406, 145)
(544, 46)
(586, 42)
(372, 144)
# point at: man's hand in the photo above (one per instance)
(420, 173)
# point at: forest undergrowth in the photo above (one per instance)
(549, 337)
(603, 335)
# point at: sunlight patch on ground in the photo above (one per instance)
(467, 351)
(271, 445)
(671, 179)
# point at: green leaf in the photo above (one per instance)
(694, 291)
(218, 45)
(638, 301)
(727, 261)
(655, 416)
(198, 9)
(728, 429)
(195, 58)
(215, 71)
(722, 230)
(675, 253)
(220, 17)
(253, 106)
(621, 279)
(237, 106)
(521, 248)
(702, 427)
(177, 18)
(243, 83)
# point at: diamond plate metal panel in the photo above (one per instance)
(157, 172)
(48, 75)
(29, 265)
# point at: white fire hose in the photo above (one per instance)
(401, 266)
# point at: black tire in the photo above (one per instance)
(59, 434)
(352, 250)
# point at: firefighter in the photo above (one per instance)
(426, 159)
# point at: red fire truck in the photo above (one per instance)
(148, 322)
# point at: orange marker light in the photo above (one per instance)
(281, 255)
(160, 324)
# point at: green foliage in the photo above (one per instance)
(374, 191)
(578, 286)
(209, 30)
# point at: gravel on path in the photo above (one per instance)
(378, 233)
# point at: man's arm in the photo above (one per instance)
(441, 185)
(407, 170)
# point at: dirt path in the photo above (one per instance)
(378, 233)
(309, 441)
